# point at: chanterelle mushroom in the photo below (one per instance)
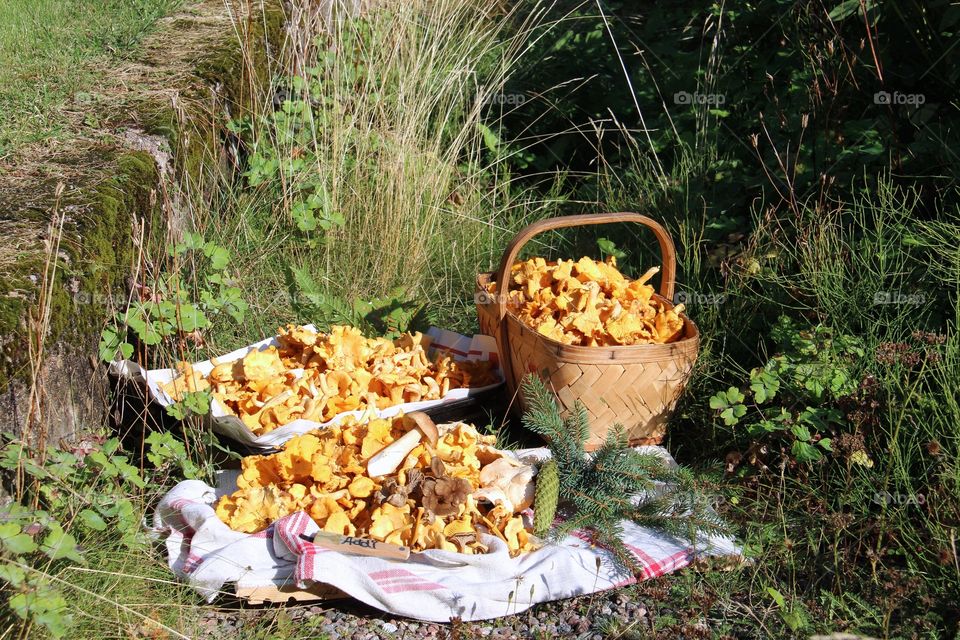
(388, 459)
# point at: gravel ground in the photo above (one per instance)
(593, 617)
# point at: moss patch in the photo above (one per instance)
(94, 258)
(243, 72)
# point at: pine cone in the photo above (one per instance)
(545, 500)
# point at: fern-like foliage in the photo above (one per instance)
(387, 316)
(615, 483)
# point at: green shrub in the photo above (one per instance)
(69, 503)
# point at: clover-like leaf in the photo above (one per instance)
(732, 415)
(718, 401)
(113, 344)
(219, 257)
(805, 452)
(192, 318)
(12, 574)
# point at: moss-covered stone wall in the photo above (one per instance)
(109, 191)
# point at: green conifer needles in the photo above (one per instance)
(613, 484)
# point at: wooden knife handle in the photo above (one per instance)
(358, 546)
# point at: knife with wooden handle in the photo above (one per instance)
(358, 546)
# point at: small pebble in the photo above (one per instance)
(389, 627)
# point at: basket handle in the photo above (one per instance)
(667, 251)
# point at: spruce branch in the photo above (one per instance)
(616, 483)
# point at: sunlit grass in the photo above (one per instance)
(47, 48)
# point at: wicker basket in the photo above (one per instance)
(635, 386)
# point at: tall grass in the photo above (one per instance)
(846, 543)
(870, 544)
(385, 121)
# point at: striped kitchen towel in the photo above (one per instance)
(433, 585)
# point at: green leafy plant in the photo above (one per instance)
(282, 156)
(283, 141)
(609, 248)
(194, 403)
(66, 497)
(792, 613)
(315, 211)
(166, 450)
(615, 483)
(388, 316)
(171, 308)
(729, 404)
(793, 397)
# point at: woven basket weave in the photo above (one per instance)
(636, 386)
